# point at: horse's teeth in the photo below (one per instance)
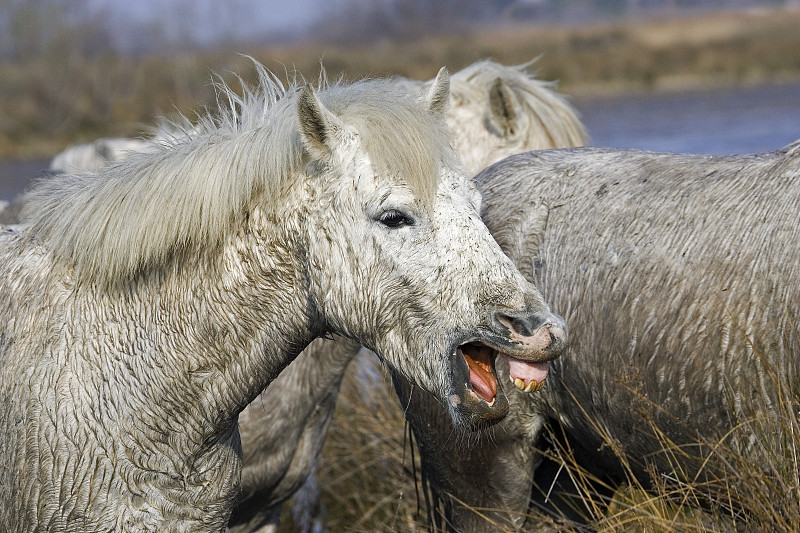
(533, 386)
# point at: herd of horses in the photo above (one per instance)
(178, 313)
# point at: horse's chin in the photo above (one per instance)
(473, 413)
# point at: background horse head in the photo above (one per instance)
(498, 110)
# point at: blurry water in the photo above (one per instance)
(15, 175)
(749, 120)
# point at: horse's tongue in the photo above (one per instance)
(526, 371)
(480, 376)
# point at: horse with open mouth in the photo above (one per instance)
(496, 111)
(146, 305)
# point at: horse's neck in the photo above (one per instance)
(212, 335)
(163, 366)
(251, 326)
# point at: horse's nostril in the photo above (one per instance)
(529, 336)
(524, 324)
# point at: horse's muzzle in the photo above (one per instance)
(528, 336)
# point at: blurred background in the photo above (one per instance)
(678, 75)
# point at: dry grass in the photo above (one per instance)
(757, 489)
(51, 102)
(366, 469)
(749, 480)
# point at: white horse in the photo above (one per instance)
(678, 276)
(145, 306)
(496, 111)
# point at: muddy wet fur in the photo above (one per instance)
(676, 276)
(146, 305)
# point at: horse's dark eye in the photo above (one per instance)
(395, 219)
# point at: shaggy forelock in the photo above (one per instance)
(187, 191)
(386, 116)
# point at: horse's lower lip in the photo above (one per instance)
(527, 376)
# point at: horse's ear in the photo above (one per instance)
(319, 128)
(503, 105)
(438, 97)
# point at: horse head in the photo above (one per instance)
(403, 262)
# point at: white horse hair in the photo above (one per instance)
(677, 275)
(500, 110)
(144, 306)
(495, 111)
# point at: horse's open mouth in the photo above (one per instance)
(526, 376)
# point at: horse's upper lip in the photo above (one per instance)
(517, 348)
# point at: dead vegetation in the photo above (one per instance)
(55, 99)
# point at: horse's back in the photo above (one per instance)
(675, 274)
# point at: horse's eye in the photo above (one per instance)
(395, 219)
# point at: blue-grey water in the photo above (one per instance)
(730, 121)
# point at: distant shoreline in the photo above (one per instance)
(684, 84)
(47, 106)
(602, 112)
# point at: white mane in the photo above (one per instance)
(188, 191)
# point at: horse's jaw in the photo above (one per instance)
(477, 401)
